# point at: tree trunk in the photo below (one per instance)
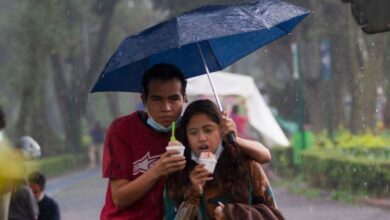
(113, 104)
(32, 118)
(64, 98)
(356, 115)
(97, 55)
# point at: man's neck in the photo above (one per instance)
(40, 197)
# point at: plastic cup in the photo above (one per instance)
(209, 164)
(180, 149)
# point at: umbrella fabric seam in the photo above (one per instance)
(178, 37)
(250, 14)
(212, 51)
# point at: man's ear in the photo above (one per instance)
(185, 98)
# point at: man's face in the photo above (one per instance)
(165, 101)
(36, 189)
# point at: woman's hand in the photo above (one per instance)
(198, 176)
(227, 126)
(218, 212)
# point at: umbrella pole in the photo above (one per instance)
(231, 138)
(208, 76)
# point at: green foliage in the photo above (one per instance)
(349, 173)
(55, 166)
(368, 140)
(365, 145)
(282, 161)
(358, 164)
(86, 141)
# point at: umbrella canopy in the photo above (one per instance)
(259, 114)
(210, 36)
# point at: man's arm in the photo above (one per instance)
(125, 192)
(251, 148)
(254, 149)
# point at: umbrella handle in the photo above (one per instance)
(231, 138)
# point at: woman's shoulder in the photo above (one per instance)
(248, 161)
(255, 168)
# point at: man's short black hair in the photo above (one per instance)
(2, 119)
(37, 178)
(164, 72)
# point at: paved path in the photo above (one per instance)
(296, 207)
(81, 196)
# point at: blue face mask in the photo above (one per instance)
(157, 126)
(150, 121)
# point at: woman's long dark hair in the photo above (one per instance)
(231, 171)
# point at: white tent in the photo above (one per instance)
(259, 114)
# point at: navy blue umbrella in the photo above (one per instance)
(204, 40)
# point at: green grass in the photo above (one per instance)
(57, 165)
(297, 186)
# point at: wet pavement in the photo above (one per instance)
(297, 207)
(81, 196)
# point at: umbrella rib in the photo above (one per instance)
(266, 24)
(215, 57)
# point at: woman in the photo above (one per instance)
(237, 189)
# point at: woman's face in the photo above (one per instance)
(203, 134)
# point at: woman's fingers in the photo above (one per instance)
(199, 175)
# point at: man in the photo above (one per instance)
(134, 156)
(135, 160)
(96, 148)
(48, 208)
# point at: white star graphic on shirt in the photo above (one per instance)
(143, 164)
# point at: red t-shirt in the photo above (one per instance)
(131, 147)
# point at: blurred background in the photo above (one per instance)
(330, 95)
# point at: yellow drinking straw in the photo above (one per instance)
(173, 131)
